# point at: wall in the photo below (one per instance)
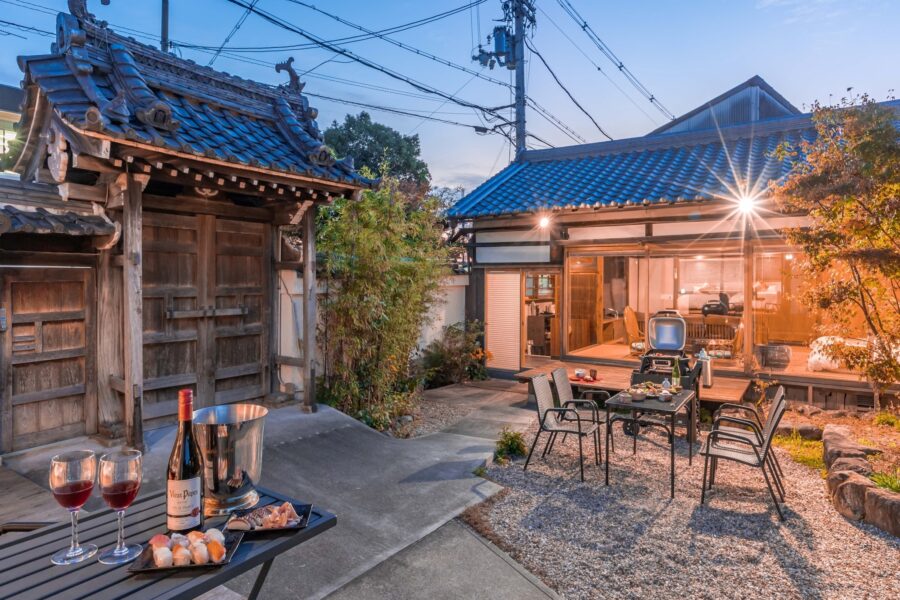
(452, 309)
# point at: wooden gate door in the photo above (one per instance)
(48, 387)
(206, 311)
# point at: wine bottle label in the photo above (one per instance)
(183, 504)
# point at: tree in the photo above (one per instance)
(382, 263)
(848, 182)
(373, 144)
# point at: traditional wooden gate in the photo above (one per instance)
(206, 296)
(48, 388)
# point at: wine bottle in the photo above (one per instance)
(676, 373)
(184, 486)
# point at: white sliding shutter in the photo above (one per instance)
(503, 328)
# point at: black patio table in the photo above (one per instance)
(684, 398)
(26, 572)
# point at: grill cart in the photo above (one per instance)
(666, 337)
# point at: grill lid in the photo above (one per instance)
(667, 331)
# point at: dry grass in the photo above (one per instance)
(804, 452)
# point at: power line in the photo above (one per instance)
(231, 33)
(565, 89)
(27, 28)
(608, 53)
(490, 112)
(625, 94)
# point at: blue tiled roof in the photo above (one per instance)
(651, 170)
(99, 81)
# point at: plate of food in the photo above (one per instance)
(647, 389)
(270, 518)
(197, 549)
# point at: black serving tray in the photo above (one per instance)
(144, 562)
(303, 511)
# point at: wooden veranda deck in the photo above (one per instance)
(616, 379)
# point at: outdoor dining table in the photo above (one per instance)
(26, 572)
(668, 410)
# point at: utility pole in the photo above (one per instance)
(509, 52)
(164, 27)
(519, 49)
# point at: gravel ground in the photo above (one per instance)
(629, 540)
(436, 413)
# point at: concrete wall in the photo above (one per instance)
(452, 309)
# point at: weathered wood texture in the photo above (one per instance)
(111, 408)
(206, 311)
(132, 306)
(48, 356)
(309, 309)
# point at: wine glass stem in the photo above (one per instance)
(120, 546)
(74, 515)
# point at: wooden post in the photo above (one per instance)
(132, 319)
(309, 310)
(109, 344)
(747, 318)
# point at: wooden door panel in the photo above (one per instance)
(48, 393)
(241, 298)
(171, 295)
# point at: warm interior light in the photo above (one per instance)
(698, 257)
(544, 223)
(788, 257)
(746, 204)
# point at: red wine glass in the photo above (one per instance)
(71, 481)
(120, 480)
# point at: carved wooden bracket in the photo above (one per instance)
(58, 156)
(107, 242)
(119, 187)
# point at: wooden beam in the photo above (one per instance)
(309, 310)
(109, 342)
(133, 359)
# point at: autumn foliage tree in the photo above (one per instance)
(848, 182)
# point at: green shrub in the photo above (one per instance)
(887, 419)
(456, 356)
(887, 480)
(510, 444)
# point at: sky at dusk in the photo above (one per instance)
(685, 52)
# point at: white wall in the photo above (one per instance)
(450, 310)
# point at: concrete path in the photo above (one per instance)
(452, 562)
(387, 493)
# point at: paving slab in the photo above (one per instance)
(451, 562)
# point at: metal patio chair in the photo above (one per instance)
(756, 428)
(587, 403)
(750, 451)
(551, 421)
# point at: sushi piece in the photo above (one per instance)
(162, 557)
(213, 534)
(240, 524)
(179, 540)
(160, 541)
(216, 551)
(195, 537)
(199, 553)
(181, 556)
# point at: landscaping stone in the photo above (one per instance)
(837, 444)
(807, 431)
(882, 508)
(807, 409)
(857, 465)
(849, 496)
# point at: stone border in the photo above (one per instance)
(853, 494)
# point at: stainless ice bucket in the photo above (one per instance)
(231, 442)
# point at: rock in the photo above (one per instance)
(807, 431)
(836, 413)
(813, 411)
(837, 444)
(405, 419)
(882, 509)
(849, 496)
(807, 409)
(857, 465)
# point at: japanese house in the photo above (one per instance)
(142, 245)
(574, 248)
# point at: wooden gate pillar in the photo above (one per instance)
(133, 299)
(309, 310)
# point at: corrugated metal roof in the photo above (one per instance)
(104, 82)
